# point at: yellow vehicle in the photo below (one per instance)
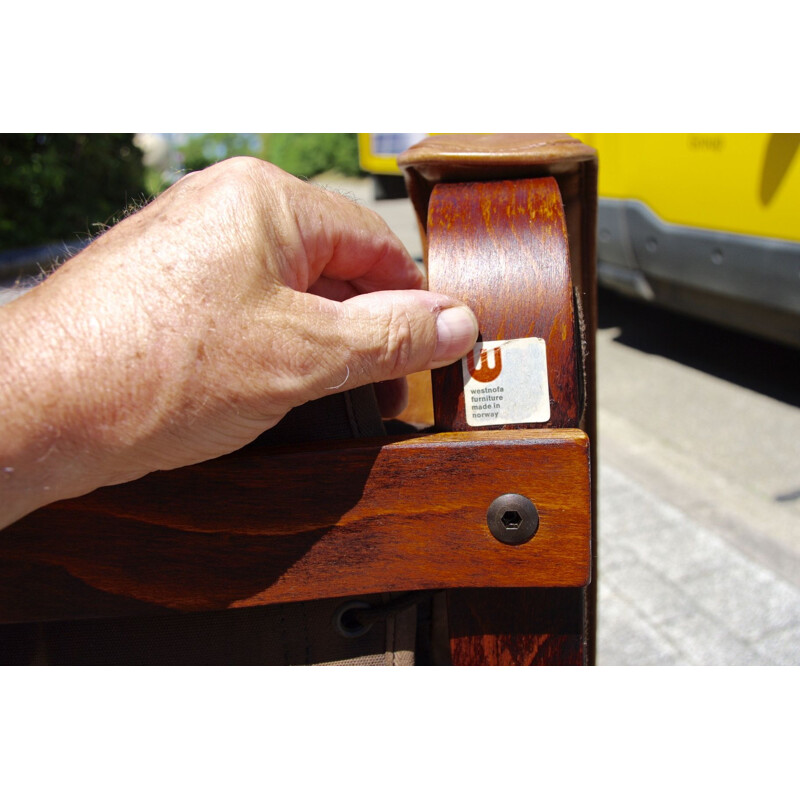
(377, 155)
(703, 223)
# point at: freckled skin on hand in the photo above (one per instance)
(186, 330)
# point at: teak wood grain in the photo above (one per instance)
(279, 524)
(518, 627)
(501, 247)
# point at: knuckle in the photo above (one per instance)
(240, 175)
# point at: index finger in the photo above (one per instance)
(345, 241)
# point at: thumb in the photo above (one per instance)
(401, 332)
(381, 336)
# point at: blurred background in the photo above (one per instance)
(698, 351)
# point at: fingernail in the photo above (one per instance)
(456, 334)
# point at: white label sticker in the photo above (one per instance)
(505, 383)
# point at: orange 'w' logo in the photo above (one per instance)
(485, 373)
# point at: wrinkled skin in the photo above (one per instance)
(197, 323)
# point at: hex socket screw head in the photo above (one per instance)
(512, 519)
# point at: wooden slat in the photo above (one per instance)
(269, 525)
(459, 158)
(501, 247)
(492, 156)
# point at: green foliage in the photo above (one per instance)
(301, 154)
(65, 186)
(155, 182)
(200, 150)
(309, 154)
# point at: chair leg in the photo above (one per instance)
(518, 627)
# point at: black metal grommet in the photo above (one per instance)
(512, 519)
(346, 622)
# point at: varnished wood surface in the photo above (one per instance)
(517, 627)
(419, 411)
(491, 156)
(469, 157)
(501, 247)
(282, 524)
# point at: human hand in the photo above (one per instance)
(194, 325)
